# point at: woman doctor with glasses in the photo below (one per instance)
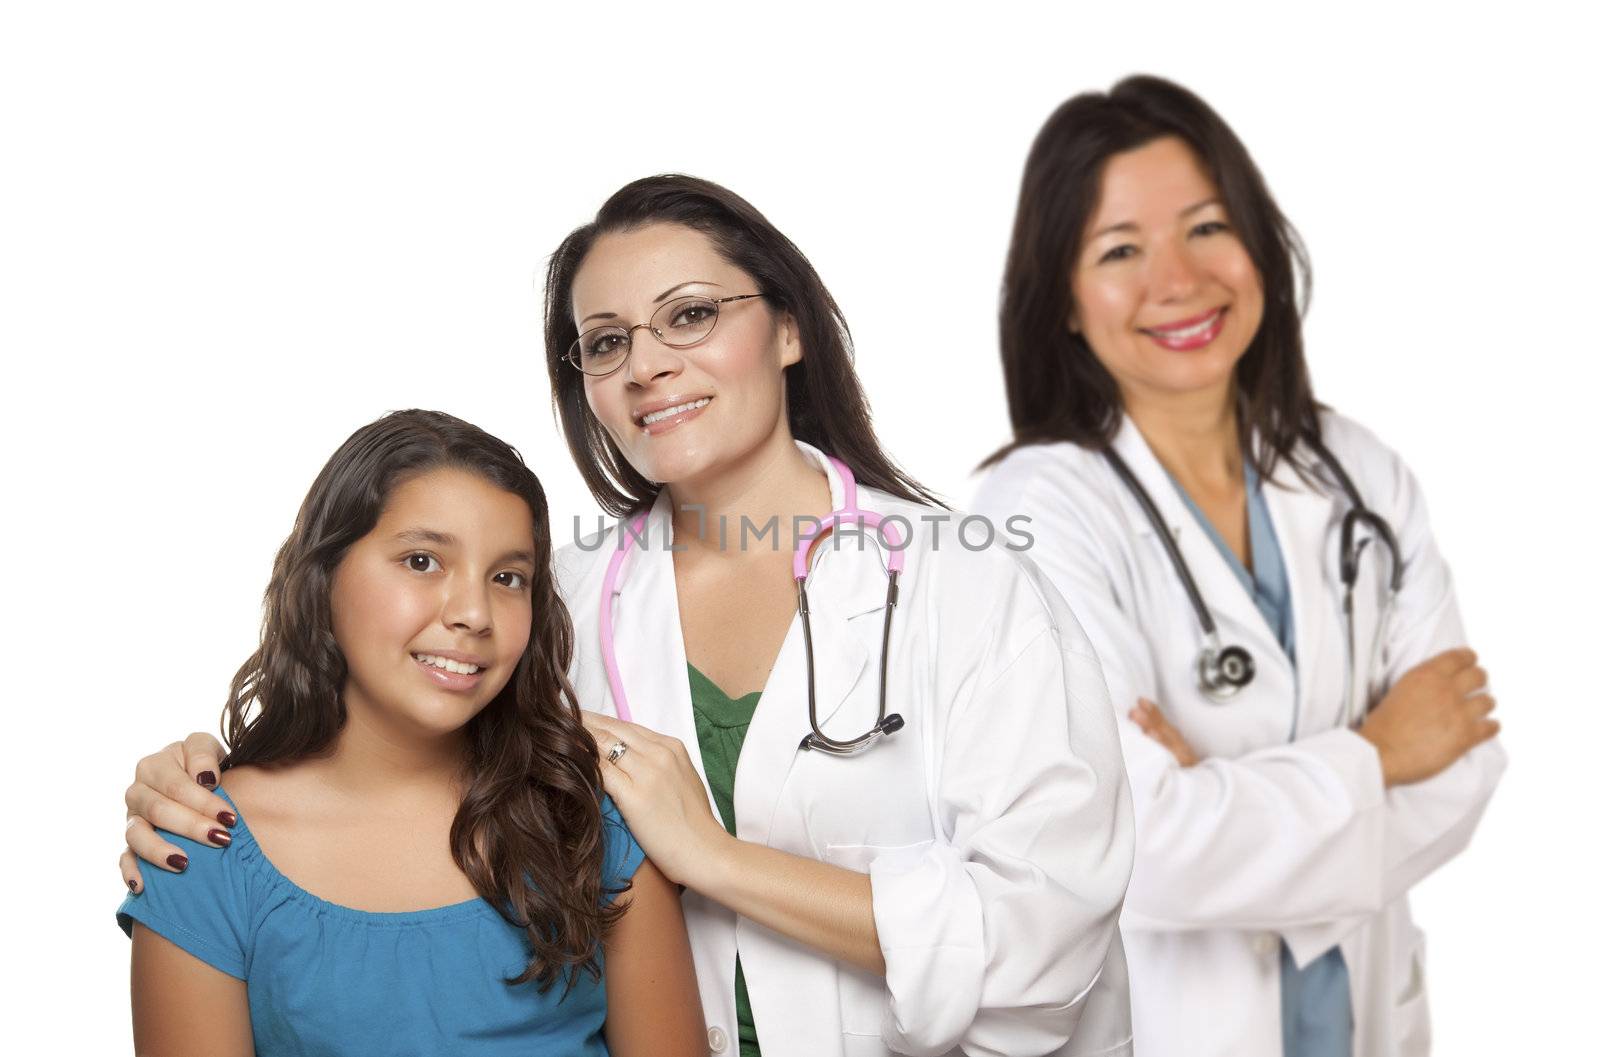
(952, 884)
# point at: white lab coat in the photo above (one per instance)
(996, 826)
(1266, 837)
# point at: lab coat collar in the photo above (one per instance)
(1147, 469)
(1283, 490)
(854, 569)
(852, 595)
(1304, 520)
(845, 583)
(1224, 595)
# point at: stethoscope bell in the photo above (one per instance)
(1224, 672)
(886, 726)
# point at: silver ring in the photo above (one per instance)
(616, 751)
(129, 826)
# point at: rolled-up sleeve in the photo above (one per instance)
(993, 936)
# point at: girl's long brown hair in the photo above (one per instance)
(529, 832)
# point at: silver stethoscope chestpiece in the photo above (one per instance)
(1223, 671)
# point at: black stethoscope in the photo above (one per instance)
(850, 515)
(1222, 671)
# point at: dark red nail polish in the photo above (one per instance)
(133, 886)
(178, 862)
(220, 836)
(227, 818)
(207, 779)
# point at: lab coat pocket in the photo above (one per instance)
(863, 997)
(1412, 1032)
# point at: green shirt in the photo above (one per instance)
(720, 724)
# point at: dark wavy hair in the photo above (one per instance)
(1056, 389)
(827, 407)
(529, 830)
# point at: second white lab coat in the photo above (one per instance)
(1266, 837)
(996, 826)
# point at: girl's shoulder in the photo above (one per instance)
(207, 903)
(266, 795)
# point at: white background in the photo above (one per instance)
(232, 236)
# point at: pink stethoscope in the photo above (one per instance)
(849, 514)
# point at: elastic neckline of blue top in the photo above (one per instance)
(244, 842)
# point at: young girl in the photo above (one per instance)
(420, 859)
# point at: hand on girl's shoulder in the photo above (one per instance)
(204, 908)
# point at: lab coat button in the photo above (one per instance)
(718, 1040)
(1266, 943)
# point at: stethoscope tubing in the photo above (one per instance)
(1359, 513)
(608, 638)
(850, 514)
(1223, 670)
(1201, 611)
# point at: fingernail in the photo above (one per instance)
(178, 862)
(227, 818)
(207, 779)
(133, 886)
(219, 836)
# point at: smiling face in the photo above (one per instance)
(723, 397)
(431, 608)
(1163, 290)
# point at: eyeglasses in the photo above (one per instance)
(678, 324)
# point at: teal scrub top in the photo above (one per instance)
(720, 724)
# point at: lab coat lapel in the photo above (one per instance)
(649, 636)
(839, 586)
(848, 591)
(1231, 607)
(1302, 516)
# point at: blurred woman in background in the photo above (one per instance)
(1306, 733)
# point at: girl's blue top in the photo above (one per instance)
(325, 979)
